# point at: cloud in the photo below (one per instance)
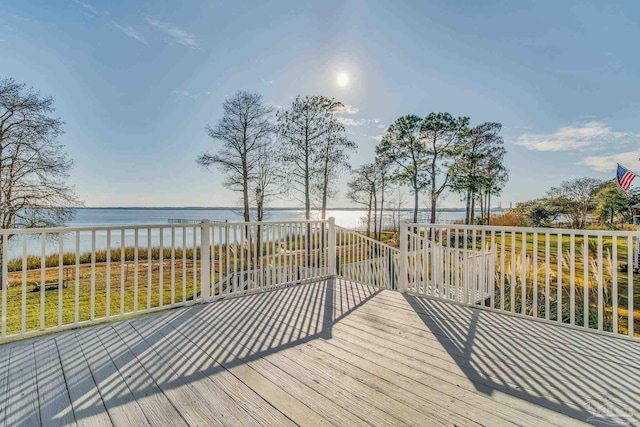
(179, 35)
(184, 93)
(347, 109)
(608, 163)
(348, 121)
(130, 32)
(580, 138)
(266, 82)
(92, 9)
(377, 137)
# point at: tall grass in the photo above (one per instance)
(69, 258)
(565, 302)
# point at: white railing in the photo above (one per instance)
(578, 278)
(365, 260)
(59, 278)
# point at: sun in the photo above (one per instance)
(343, 79)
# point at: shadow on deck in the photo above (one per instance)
(323, 353)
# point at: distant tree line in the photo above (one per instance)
(578, 203)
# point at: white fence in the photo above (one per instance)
(365, 260)
(578, 278)
(60, 278)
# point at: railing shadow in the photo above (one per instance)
(155, 354)
(567, 371)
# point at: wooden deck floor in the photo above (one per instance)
(325, 353)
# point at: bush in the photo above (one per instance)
(508, 219)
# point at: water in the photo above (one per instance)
(110, 217)
(99, 217)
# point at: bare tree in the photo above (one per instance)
(442, 134)
(244, 130)
(333, 158)
(303, 128)
(362, 189)
(264, 182)
(33, 166)
(383, 170)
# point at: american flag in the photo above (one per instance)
(624, 178)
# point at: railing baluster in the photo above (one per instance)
(107, 309)
(184, 264)
(195, 263)
(547, 278)
(76, 303)
(43, 279)
(493, 280)
(585, 272)
(534, 257)
(149, 268)
(523, 273)
(572, 283)
(559, 285)
(513, 272)
(122, 273)
(614, 284)
(630, 296)
(23, 323)
(173, 266)
(92, 314)
(503, 243)
(600, 285)
(161, 268)
(5, 282)
(135, 270)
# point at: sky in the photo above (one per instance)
(137, 81)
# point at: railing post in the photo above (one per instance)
(205, 260)
(331, 246)
(404, 257)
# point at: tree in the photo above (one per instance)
(303, 130)
(332, 158)
(263, 182)
(362, 188)
(244, 130)
(537, 212)
(611, 204)
(403, 148)
(575, 199)
(383, 170)
(442, 134)
(33, 166)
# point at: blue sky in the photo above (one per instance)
(137, 81)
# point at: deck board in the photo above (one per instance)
(317, 354)
(53, 397)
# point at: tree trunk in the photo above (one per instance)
(472, 211)
(467, 218)
(488, 208)
(375, 213)
(325, 186)
(369, 215)
(381, 211)
(415, 206)
(432, 220)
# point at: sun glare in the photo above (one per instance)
(343, 79)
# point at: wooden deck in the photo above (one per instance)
(324, 353)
